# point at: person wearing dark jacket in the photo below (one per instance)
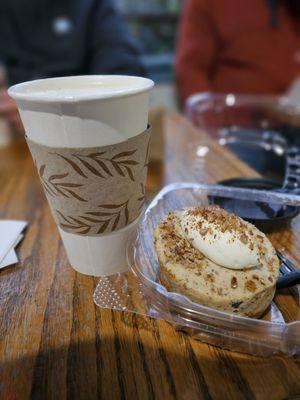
(48, 38)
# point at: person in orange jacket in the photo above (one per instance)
(238, 46)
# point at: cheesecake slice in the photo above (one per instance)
(216, 259)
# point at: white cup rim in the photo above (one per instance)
(35, 91)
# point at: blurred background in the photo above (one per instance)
(185, 46)
(154, 24)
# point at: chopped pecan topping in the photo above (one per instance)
(234, 282)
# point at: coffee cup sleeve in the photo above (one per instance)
(94, 190)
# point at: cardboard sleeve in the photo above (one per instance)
(96, 190)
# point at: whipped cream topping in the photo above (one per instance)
(220, 236)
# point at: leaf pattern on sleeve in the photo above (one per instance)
(102, 166)
(96, 222)
(55, 187)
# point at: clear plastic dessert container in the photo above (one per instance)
(141, 292)
(261, 131)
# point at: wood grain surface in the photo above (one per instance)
(56, 344)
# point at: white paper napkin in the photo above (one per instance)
(11, 257)
(10, 236)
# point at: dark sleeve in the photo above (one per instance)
(112, 48)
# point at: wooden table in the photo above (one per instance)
(56, 344)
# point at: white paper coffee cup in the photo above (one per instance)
(87, 111)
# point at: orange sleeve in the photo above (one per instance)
(195, 48)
